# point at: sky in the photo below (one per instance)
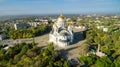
(24, 7)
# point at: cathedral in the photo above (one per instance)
(62, 33)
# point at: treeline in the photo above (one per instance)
(110, 45)
(29, 32)
(28, 55)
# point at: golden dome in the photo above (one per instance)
(70, 25)
(62, 16)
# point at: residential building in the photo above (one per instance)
(21, 25)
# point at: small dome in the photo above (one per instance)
(55, 26)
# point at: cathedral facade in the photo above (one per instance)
(62, 33)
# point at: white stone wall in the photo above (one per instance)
(55, 37)
(62, 44)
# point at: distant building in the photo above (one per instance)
(115, 17)
(81, 27)
(34, 24)
(54, 20)
(21, 25)
(106, 17)
(97, 21)
(8, 23)
(105, 29)
(45, 21)
(79, 19)
(100, 27)
(89, 16)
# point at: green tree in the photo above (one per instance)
(117, 62)
(103, 62)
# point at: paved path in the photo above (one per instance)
(76, 49)
(42, 40)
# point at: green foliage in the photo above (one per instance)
(88, 60)
(117, 62)
(26, 55)
(29, 32)
(109, 41)
(66, 64)
(103, 62)
(92, 60)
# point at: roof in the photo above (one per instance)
(64, 33)
(62, 16)
(55, 25)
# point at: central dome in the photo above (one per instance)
(61, 18)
